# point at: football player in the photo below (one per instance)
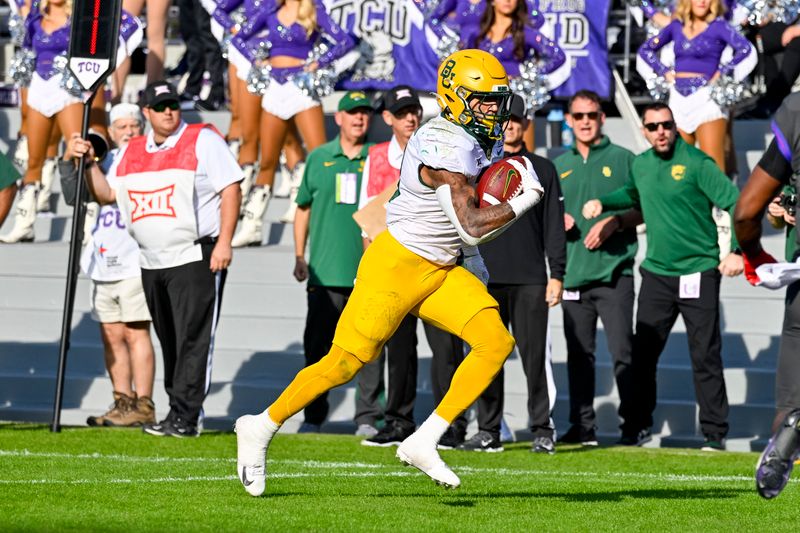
(411, 267)
(779, 166)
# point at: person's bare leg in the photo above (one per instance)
(6, 200)
(142, 358)
(249, 121)
(156, 30)
(711, 140)
(235, 129)
(117, 356)
(39, 127)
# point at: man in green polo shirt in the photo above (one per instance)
(326, 201)
(8, 186)
(599, 277)
(676, 185)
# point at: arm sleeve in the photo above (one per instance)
(441, 149)
(742, 49)
(305, 194)
(555, 238)
(251, 27)
(228, 5)
(341, 40)
(775, 164)
(648, 9)
(625, 197)
(649, 50)
(217, 160)
(535, 17)
(551, 57)
(719, 189)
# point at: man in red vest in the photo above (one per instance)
(178, 191)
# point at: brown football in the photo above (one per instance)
(499, 183)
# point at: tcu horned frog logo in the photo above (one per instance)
(156, 203)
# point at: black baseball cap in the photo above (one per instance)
(399, 97)
(158, 92)
(517, 107)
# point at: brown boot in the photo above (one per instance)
(122, 404)
(140, 411)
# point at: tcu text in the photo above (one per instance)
(156, 203)
(88, 66)
(363, 17)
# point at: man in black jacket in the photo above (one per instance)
(518, 280)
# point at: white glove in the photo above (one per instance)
(473, 262)
(532, 190)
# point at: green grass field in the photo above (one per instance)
(116, 479)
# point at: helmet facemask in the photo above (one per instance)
(488, 125)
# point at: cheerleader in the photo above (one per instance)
(699, 35)
(505, 32)
(292, 33)
(51, 106)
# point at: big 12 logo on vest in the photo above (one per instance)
(157, 203)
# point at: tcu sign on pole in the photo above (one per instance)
(93, 41)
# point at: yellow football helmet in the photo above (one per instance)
(469, 82)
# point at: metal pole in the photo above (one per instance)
(76, 239)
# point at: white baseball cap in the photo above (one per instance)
(125, 110)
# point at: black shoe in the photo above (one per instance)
(483, 441)
(390, 435)
(635, 439)
(579, 435)
(159, 429)
(713, 443)
(182, 429)
(209, 105)
(543, 445)
(451, 439)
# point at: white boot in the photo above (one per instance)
(49, 170)
(234, 145)
(25, 215)
(250, 227)
(297, 178)
(247, 184)
(92, 210)
(285, 187)
(21, 153)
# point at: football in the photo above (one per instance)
(499, 183)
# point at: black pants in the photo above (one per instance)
(787, 375)
(400, 354)
(325, 306)
(184, 302)
(659, 306)
(613, 304)
(202, 50)
(525, 308)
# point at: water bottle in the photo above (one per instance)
(567, 135)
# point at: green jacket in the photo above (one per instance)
(676, 196)
(606, 169)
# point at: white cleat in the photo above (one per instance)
(414, 451)
(251, 461)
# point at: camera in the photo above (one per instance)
(789, 203)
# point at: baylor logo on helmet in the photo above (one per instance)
(447, 74)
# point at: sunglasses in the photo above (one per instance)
(160, 107)
(591, 115)
(653, 126)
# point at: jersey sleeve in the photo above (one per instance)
(786, 127)
(217, 160)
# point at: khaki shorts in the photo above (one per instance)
(119, 301)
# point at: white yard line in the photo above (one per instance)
(337, 469)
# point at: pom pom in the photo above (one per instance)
(16, 27)
(447, 45)
(531, 86)
(22, 66)
(315, 84)
(258, 78)
(658, 87)
(68, 82)
(726, 91)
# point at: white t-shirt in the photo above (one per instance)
(415, 217)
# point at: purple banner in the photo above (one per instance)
(395, 46)
(579, 28)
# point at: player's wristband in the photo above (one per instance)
(522, 203)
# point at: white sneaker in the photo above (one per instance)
(252, 439)
(414, 451)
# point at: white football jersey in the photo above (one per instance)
(414, 216)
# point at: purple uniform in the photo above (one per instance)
(222, 13)
(701, 54)
(466, 13)
(551, 56)
(291, 40)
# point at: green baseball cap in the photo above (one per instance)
(353, 100)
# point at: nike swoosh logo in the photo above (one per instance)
(246, 482)
(329, 163)
(565, 174)
(485, 443)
